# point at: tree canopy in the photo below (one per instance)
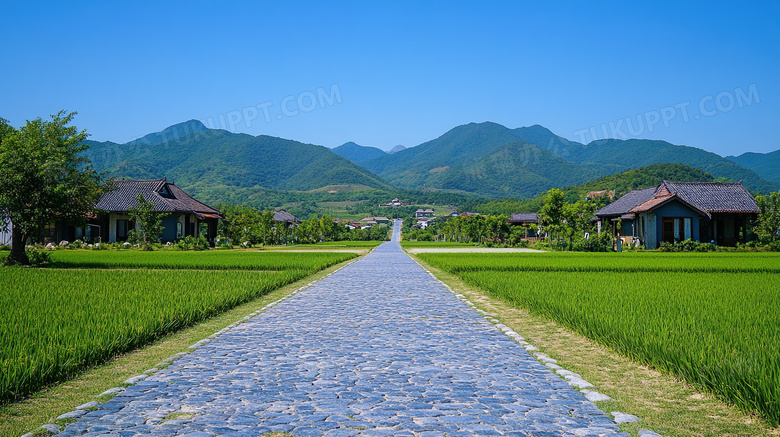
(44, 178)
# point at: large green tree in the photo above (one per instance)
(44, 177)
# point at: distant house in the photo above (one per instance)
(374, 221)
(525, 219)
(186, 216)
(394, 203)
(423, 213)
(282, 216)
(423, 223)
(596, 194)
(674, 211)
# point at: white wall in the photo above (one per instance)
(5, 236)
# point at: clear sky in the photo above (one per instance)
(704, 74)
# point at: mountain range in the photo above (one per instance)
(484, 159)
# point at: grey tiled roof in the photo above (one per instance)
(165, 196)
(626, 203)
(524, 217)
(285, 217)
(715, 196)
(708, 197)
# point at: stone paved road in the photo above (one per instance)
(377, 348)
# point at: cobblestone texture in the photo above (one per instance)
(377, 348)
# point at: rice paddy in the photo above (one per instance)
(59, 321)
(710, 319)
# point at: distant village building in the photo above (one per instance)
(282, 216)
(423, 223)
(423, 213)
(394, 203)
(371, 221)
(596, 194)
(525, 219)
(675, 211)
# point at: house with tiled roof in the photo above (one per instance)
(714, 212)
(374, 221)
(525, 219)
(111, 221)
(282, 216)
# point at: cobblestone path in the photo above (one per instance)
(377, 348)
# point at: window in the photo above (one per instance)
(121, 229)
(676, 229)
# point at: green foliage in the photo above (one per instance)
(191, 243)
(687, 246)
(149, 221)
(767, 225)
(57, 322)
(711, 319)
(38, 258)
(44, 177)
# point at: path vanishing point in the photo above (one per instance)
(379, 347)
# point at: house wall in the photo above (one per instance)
(672, 209)
(169, 228)
(5, 236)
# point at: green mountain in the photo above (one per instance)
(475, 158)
(357, 153)
(620, 183)
(640, 153)
(767, 165)
(197, 157)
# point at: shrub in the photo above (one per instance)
(38, 258)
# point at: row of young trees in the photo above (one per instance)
(562, 225)
(254, 226)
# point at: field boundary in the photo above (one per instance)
(44, 406)
(664, 403)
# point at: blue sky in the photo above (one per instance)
(704, 74)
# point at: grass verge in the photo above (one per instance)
(665, 404)
(25, 416)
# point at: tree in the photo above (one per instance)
(149, 221)
(553, 214)
(577, 218)
(767, 225)
(44, 177)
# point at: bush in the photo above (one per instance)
(596, 243)
(191, 243)
(37, 257)
(76, 244)
(688, 246)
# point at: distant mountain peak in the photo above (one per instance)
(357, 153)
(171, 133)
(396, 149)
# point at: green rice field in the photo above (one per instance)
(58, 321)
(711, 319)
